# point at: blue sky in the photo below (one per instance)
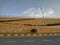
(16, 8)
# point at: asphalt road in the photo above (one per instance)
(53, 40)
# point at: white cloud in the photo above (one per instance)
(39, 13)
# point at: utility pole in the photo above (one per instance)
(42, 13)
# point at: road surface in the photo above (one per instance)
(48, 40)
